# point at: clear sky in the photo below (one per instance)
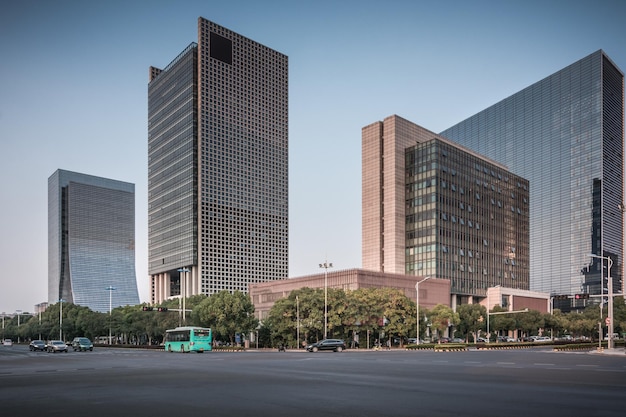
(73, 95)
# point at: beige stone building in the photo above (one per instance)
(514, 299)
(432, 292)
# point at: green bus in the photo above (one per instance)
(188, 339)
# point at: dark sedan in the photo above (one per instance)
(37, 345)
(336, 345)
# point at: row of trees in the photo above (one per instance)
(363, 314)
(224, 312)
(387, 314)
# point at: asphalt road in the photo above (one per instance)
(128, 382)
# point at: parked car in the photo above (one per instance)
(82, 344)
(336, 345)
(457, 340)
(36, 345)
(7, 342)
(542, 339)
(55, 346)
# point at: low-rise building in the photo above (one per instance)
(432, 291)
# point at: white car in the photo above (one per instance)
(7, 342)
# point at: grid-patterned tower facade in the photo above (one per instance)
(91, 241)
(218, 166)
(565, 134)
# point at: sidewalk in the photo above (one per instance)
(613, 352)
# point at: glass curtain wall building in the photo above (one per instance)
(218, 166)
(467, 220)
(91, 241)
(565, 134)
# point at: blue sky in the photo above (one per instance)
(73, 95)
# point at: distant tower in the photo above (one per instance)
(218, 166)
(91, 241)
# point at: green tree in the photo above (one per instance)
(473, 317)
(365, 312)
(501, 322)
(399, 313)
(555, 322)
(442, 317)
(282, 319)
(530, 322)
(584, 324)
(226, 314)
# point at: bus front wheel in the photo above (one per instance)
(169, 348)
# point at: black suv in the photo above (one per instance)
(335, 345)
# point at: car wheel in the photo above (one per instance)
(90, 349)
(339, 349)
(315, 349)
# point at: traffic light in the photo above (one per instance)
(146, 308)
(582, 296)
(162, 309)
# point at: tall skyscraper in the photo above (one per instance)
(218, 166)
(433, 208)
(91, 241)
(565, 134)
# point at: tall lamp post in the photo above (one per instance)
(183, 288)
(417, 309)
(39, 310)
(110, 289)
(61, 301)
(609, 317)
(297, 322)
(19, 312)
(622, 209)
(326, 265)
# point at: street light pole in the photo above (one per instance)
(110, 289)
(183, 288)
(326, 265)
(622, 209)
(297, 322)
(39, 308)
(61, 301)
(609, 316)
(19, 312)
(417, 309)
